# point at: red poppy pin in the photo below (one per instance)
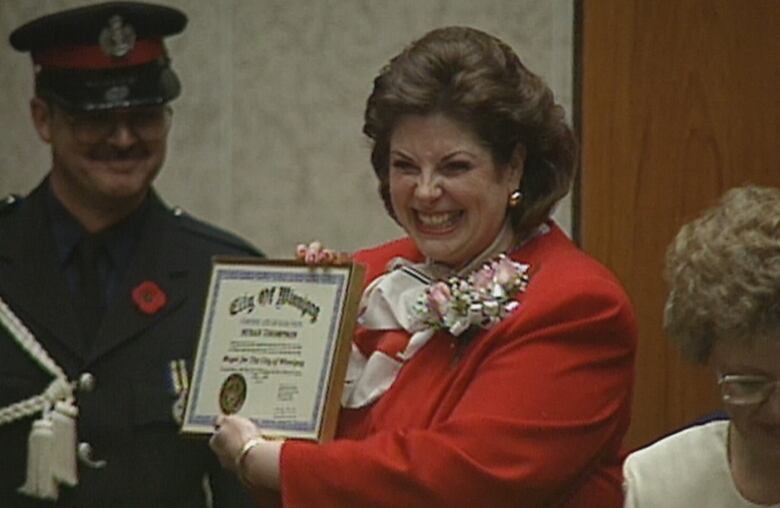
(148, 297)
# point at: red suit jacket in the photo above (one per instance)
(529, 413)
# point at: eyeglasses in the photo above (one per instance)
(148, 123)
(745, 389)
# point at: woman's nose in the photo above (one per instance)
(428, 187)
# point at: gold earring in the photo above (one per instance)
(515, 198)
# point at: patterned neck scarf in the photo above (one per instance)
(388, 303)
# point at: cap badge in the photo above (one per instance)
(116, 94)
(118, 38)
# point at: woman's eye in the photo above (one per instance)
(457, 166)
(404, 166)
(751, 385)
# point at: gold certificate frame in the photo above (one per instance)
(274, 346)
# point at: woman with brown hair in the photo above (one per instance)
(493, 361)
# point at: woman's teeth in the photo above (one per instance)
(437, 220)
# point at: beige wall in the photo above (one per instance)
(267, 134)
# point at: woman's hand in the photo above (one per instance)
(240, 448)
(230, 435)
(315, 254)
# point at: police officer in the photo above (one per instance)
(102, 285)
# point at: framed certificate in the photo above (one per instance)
(274, 345)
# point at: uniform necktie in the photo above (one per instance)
(91, 304)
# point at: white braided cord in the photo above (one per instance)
(59, 389)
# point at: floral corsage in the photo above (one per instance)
(484, 298)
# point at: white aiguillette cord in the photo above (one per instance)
(51, 453)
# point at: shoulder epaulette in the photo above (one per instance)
(212, 233)
(9, 202)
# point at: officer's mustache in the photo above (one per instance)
(110, 153)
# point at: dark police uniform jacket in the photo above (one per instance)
(127, 415)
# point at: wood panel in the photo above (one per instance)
(679, 102)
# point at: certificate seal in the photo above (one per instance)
(232, 394)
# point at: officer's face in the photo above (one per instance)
(104, 160)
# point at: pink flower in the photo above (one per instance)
(483, 278)
(148, 297)
(506, 271)
(484, 298)
(439, 297)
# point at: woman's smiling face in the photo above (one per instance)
(445, 188)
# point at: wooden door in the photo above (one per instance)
(679, 102)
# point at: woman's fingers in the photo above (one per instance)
(315, 254)
(309, 253)
(340, 258)
(230, 434)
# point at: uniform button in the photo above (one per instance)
(86, 382)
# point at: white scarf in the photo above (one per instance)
(387, 304)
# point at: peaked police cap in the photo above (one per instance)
(103, 56)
